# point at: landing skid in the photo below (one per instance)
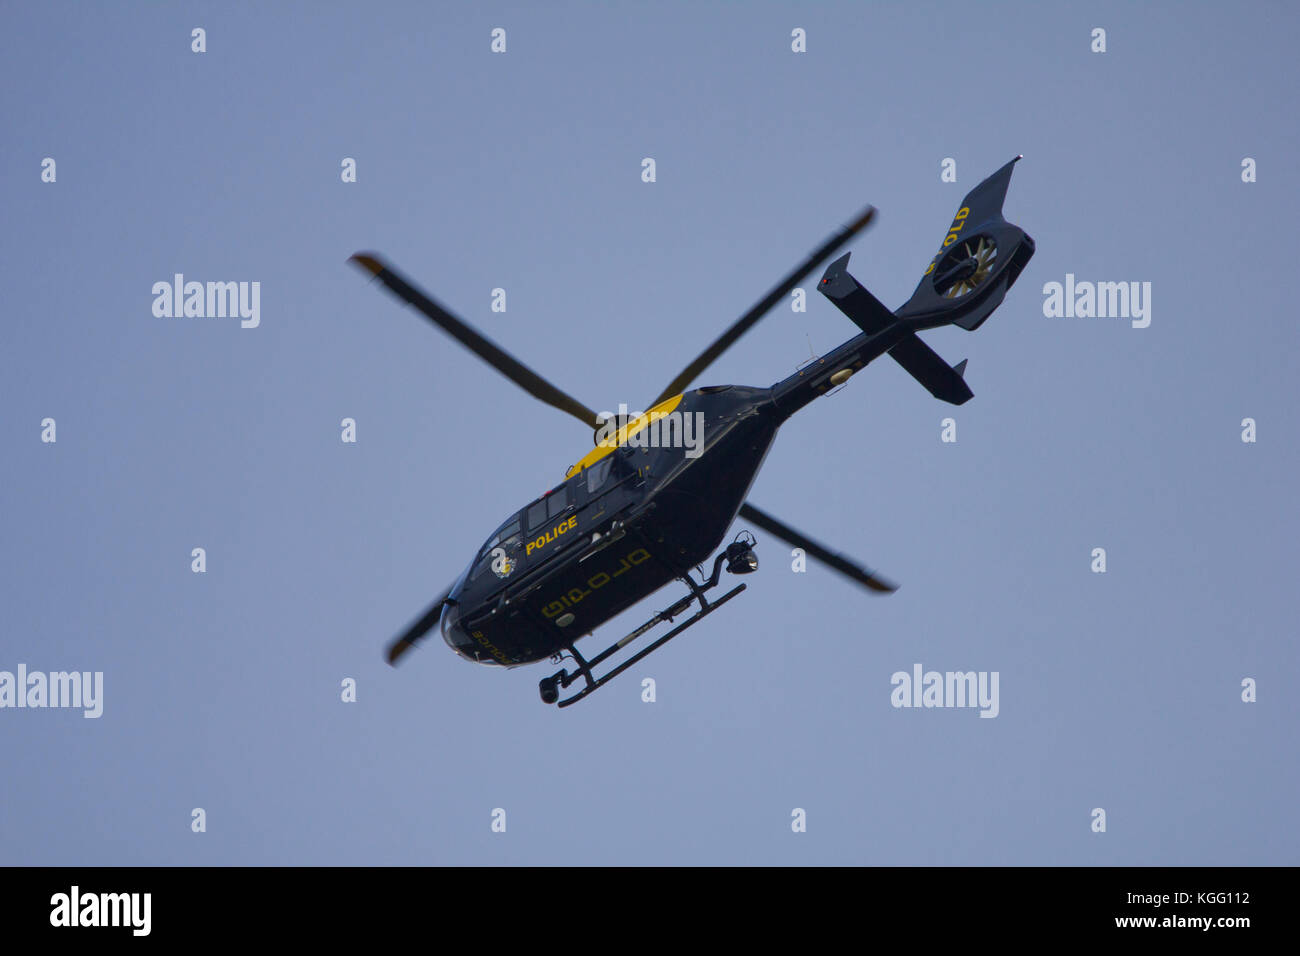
(549, 686)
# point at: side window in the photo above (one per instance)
(548, 507)
(557, 501)
(597, 474)
(624, 466)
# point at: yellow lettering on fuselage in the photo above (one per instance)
(958, 224)
(595, 583)
(551, 535)
(490, 647)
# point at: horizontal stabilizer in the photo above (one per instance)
(939, 378)
(872, 316)
(853, 299)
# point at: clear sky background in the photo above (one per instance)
(523, 171)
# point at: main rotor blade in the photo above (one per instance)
(839, 562)
(426, 623)
(743, 324)
(473, 340)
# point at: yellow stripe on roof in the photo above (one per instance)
(620, 439)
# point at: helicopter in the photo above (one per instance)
(656, 495)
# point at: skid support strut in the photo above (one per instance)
(550, 686)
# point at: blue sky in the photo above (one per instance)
(522, 171)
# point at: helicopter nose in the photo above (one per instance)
(454, 633)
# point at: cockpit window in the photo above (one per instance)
(507, 530)
(536, 514)
(484, 563)
(507, 539)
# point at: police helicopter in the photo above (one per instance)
(656, 495)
